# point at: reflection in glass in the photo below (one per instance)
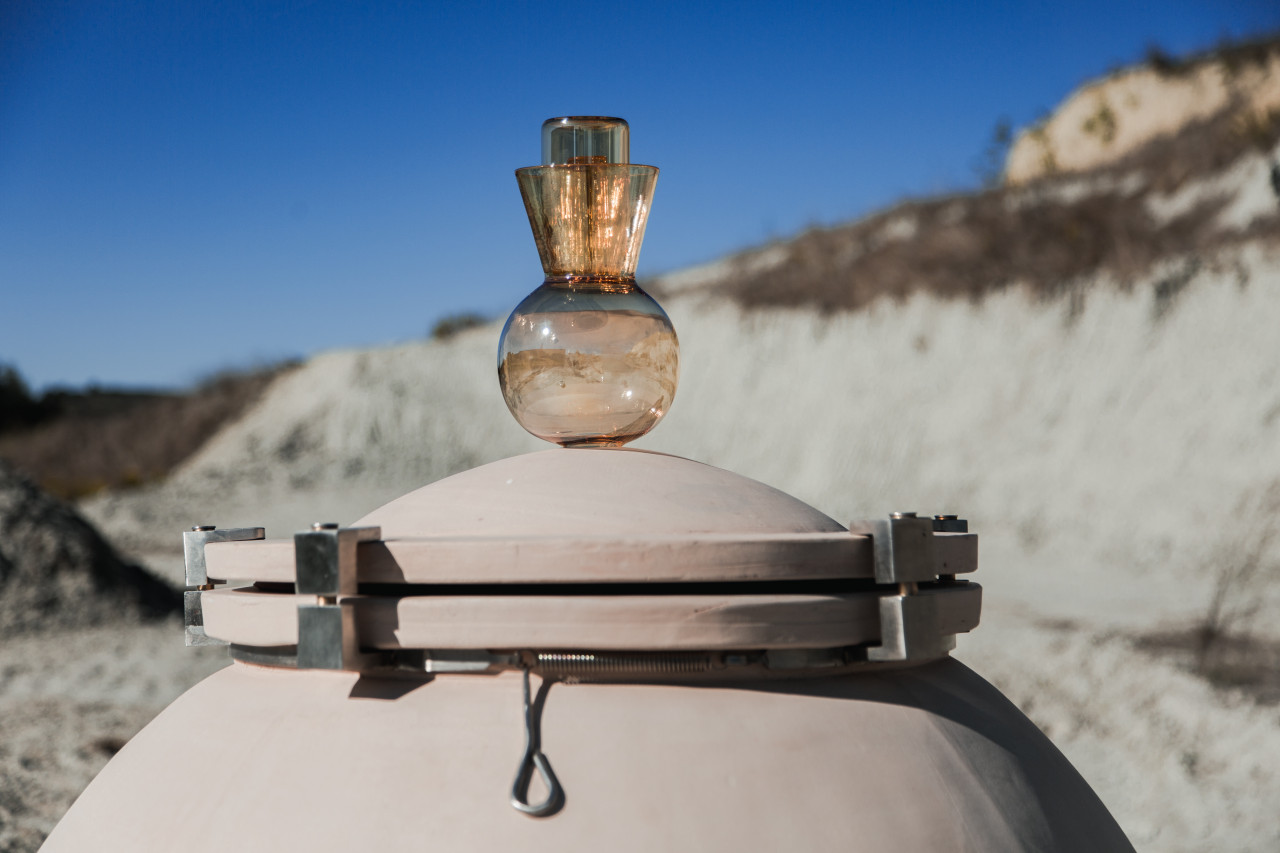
(588, 363)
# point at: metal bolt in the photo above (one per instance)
(945, 517)
(903, 515)
(325, 525)
(200, 528)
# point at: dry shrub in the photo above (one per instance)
(1045, 236)
(1225, 646)
(1246, 560)
(1246, 663)
(128, 440)
(1233, 57)
(448, 326)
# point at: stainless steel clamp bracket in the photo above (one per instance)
(197, 575)
(325, 560)
(902, 547)
(917, 624)
(910, 629)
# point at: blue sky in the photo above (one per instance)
(188, 186)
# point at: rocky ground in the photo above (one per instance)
(68, 702)
(90, 650)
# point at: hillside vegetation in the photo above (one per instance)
(1165, 195)
(76, 443)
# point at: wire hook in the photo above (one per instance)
(534, 760)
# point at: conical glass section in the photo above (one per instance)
(588, 220)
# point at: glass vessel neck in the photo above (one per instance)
(599, 283)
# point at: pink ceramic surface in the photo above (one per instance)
(924, 759)
(613, 492)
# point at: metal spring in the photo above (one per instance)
(586, 664)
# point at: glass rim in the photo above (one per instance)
(573, 166)
(609, 119)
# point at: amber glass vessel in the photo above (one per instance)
(588, 358)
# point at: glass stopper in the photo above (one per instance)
(585, 140)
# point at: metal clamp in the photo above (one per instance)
(902, 547)
(197, 575)
(912, 622)
(950, 524)
(467, 660)
(910, 629)
(325, 560)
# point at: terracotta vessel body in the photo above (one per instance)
(260, 759)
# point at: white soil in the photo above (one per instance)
(1104, 120)
(68, 701)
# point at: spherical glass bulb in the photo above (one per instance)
(588, 362)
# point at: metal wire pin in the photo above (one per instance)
(534, 760)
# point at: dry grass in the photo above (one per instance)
(448, 326)
(1224, 646)
(1232, 56)
(1045, 236)
(1228, 662)
(128, 440)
